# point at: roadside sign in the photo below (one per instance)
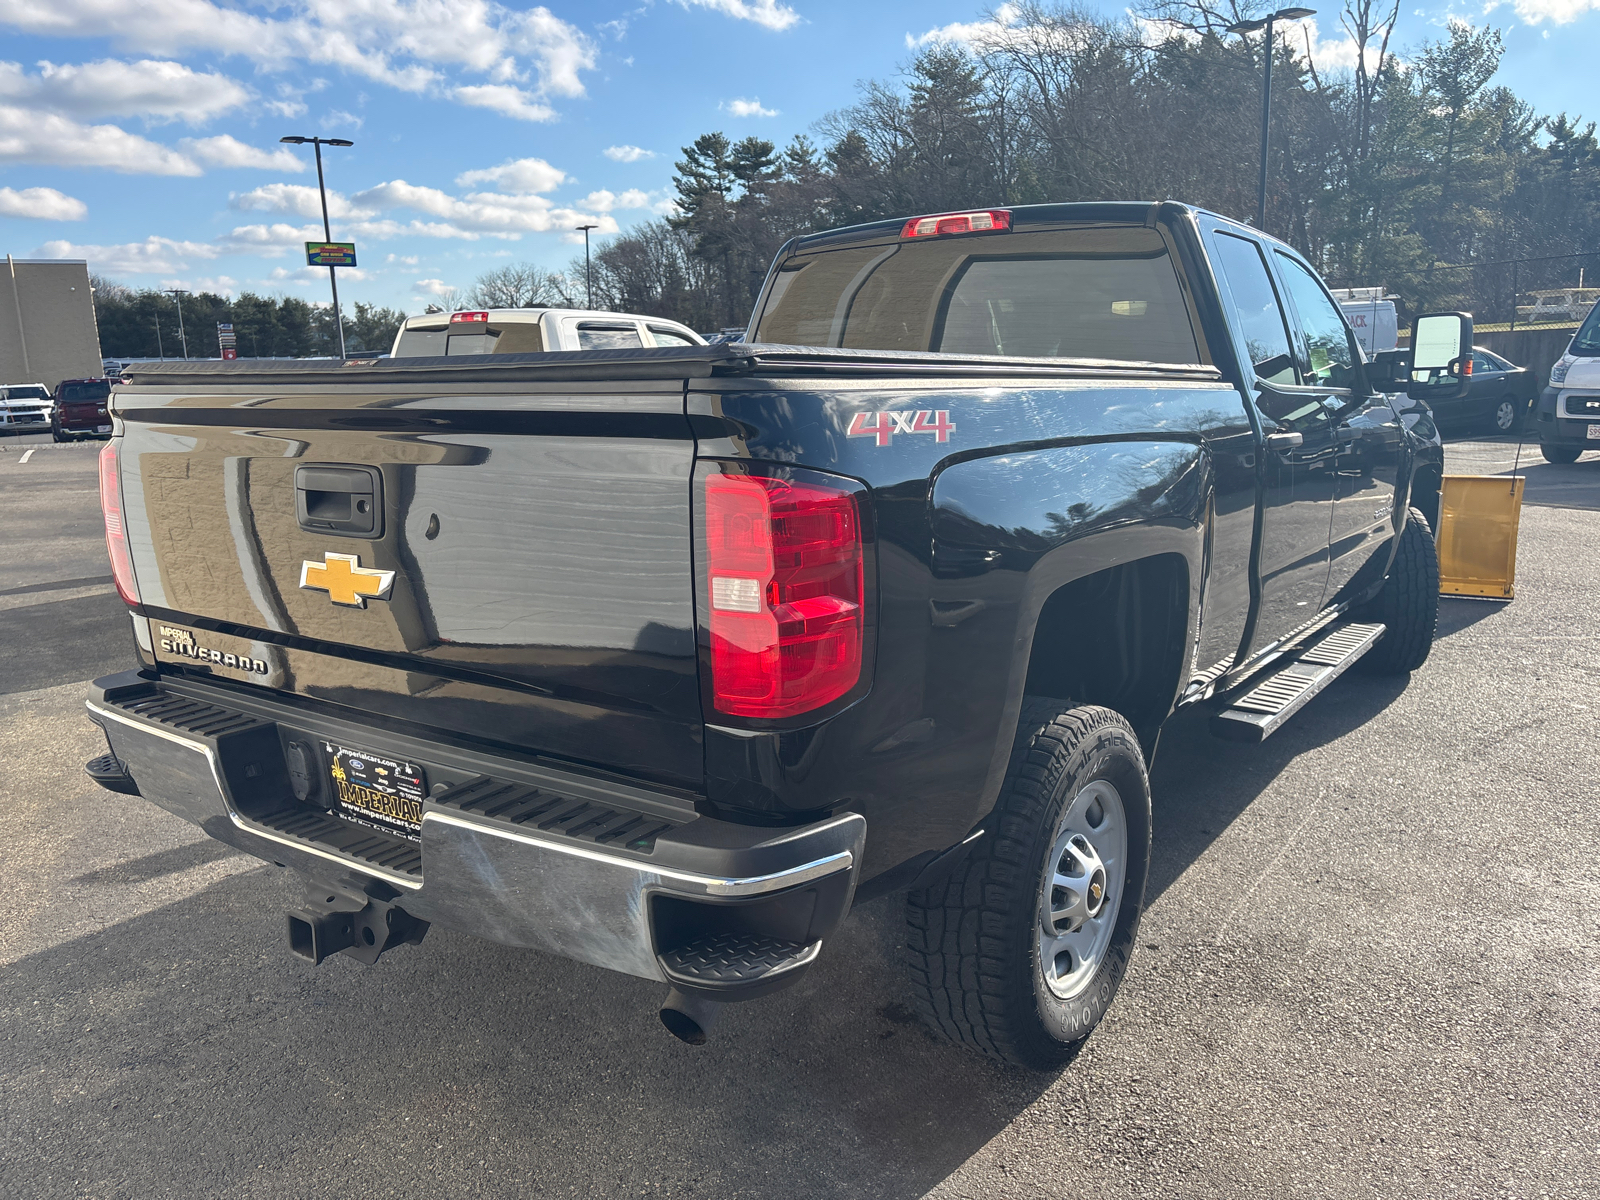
(227, 342)
(229, 354)
(330, 254)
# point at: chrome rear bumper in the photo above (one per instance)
(223, 769)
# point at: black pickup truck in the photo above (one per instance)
(661, 659)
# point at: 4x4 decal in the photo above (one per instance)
(884, 425)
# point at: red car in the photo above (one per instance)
(81, 409)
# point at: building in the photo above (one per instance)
(47, 325)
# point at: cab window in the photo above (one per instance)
(1328, 353)
(670, 337)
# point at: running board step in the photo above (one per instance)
(1294, 680)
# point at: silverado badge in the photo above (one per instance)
(345, 580)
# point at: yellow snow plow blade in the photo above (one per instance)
(1478, 516)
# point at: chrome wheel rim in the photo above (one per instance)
(1081, 890)
(1505, 416)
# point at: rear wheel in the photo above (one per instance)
(1019, 951)
(1559, 454)
(1408, 605)
(1506, 414)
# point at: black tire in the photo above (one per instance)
(975, 937)
(1506, 415)
(1559, 454)
(1408, 605)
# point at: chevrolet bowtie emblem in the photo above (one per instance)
(345, 580)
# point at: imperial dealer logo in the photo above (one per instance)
(345, 580)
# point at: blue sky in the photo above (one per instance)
(143, 134)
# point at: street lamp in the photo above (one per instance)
(588, 276)
(1283, 14)
(178, 294)
(327, 233)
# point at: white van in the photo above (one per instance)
(1372, 316)
(532, 330)
(1568, 415)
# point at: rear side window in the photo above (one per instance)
(1109, 293)
(85, 391)
(593, 336)
(1255, 306)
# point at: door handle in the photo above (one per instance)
(1284, 441)
(346, 501)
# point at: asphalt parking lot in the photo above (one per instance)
(1370, 966)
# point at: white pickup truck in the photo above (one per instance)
(533, 330)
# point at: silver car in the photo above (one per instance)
(25, 407)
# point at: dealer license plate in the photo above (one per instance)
(377, 791)
(1594, 433)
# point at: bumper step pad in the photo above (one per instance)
(734, 960)
(1294, 680)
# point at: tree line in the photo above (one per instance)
(1378, 174)
(145, 323)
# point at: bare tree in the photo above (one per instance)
(520, 285)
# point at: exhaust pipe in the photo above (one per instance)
(689, 1017)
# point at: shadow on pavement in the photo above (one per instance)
(1200, 784)
(1561, 485)
(1461, 612)
(186, 1050)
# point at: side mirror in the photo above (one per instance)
(1441, 356)
(1390, 371)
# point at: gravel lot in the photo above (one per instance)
(1369, 966)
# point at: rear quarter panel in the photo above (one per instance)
(1033, 486)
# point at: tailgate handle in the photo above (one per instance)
(346, 501)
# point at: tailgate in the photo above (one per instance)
(538, 536)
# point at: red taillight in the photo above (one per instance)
(479, 318)
(116, 535)
(785, 580)
(987, 221)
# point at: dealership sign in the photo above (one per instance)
(330, 254)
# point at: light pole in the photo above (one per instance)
(178, 294)
(327, 232)
(1283, 14)
(588, 275)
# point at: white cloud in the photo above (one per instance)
(975, 36)
(226, 151)
(767, 13)
(154, 254)
(604, 201)
(747, 108)
(627, 154)
(340, 119)
(295, 199)
(492, 213)
(308, 275)
(219, 285)
(30, 136)
(41, 204)
(163, 91)
(407, 260)
(413, 45)
(1557, 12)
(524, 175)
(507, 100)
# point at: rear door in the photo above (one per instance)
(538, 537)
(1297, 480)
